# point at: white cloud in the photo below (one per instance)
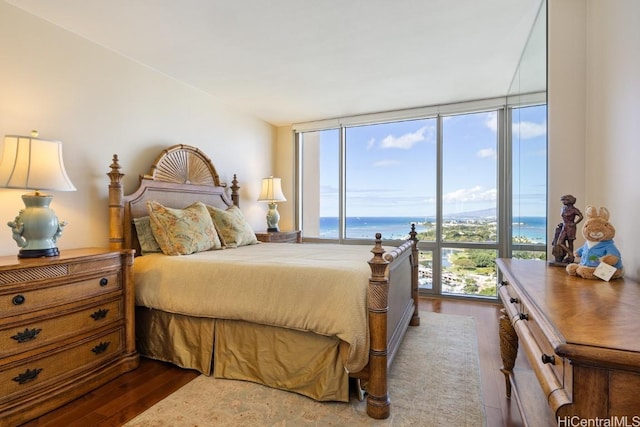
(474, 194)
(371, 143)
(491, 121)
(528, 130)
(405, 141)
(486, 153)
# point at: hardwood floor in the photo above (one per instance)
(499, 411)
(123, 398)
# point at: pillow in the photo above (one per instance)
(183, 231)
(148, 243)
(234, 230)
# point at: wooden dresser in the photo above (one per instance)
(581, 341)
(66, 327)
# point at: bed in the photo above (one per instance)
(310, 318)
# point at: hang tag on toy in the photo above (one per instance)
(604, 271)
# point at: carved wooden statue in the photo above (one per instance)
(565, 233)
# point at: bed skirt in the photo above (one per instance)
(298, 361)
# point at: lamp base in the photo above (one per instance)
(36, 228)
(273, 217)
(38, 253)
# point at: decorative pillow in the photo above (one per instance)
(183, 231)
(148, 243)
(234, 230)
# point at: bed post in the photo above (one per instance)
(235, 196)
(415, 274)
(116, 206)
(378, 403)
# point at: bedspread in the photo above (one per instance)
(320, 288)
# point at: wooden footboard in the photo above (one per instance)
(393, 306)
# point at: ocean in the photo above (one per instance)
(531, 228)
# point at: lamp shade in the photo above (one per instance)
(271, 190)
(34, 164)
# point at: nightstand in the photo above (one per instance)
(280, 236)
(66, 327)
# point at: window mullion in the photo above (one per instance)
(437, 255)
(505, 180)
(342, 185)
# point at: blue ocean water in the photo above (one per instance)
(532, 228)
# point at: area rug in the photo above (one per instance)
(434, 381)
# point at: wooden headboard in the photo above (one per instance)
(180, 176)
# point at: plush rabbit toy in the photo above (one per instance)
(599, 246)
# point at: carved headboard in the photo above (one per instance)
(180, 175)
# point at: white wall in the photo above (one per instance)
(566, 107)
(284, 167)
(613, 120)
(594, 99)
(98, 104)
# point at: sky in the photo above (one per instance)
(391, 167)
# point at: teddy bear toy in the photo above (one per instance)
(599, 247)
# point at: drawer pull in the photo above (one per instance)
(27, 335)
(548, 359)
(28, 376)
(104, 281)
(100, 314)
(523, 316)
(101, 348)
(18, 299)
(514, 300)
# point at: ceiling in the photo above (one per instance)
(291, 61)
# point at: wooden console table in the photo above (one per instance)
(581, 340)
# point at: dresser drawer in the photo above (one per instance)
(31, 299)
(510, 300)
(547, 355)
(547, 366)
(34, 270)
(546, 374)
(37, 333)
(34, 373)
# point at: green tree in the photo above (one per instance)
(483, 258)
(471, 288)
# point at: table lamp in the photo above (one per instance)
(272, 193)
(35, 164)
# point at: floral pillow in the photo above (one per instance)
(148, 243)
(183, 231)
(234, 230)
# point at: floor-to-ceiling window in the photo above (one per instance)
(451, 175)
